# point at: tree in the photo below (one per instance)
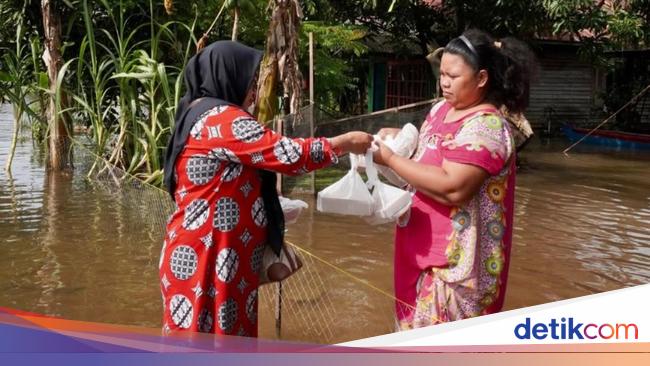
(138, 62)
(39, 19)
(59, 143)
(338, 49)
(600, 25)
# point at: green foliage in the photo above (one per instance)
(407, 20)
(246, 6)
(123, 74)
(121, 85)
(17, 80)
(336, 49)
(254, 23)
(600, 27)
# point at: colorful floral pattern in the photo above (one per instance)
(477, 249)
(461, 220)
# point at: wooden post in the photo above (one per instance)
(311, 69)
(279, 128)
(278, 310)
(235, 24)
(312, 103)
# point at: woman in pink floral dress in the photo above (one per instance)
(452, 248)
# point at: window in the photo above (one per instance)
(408, 82)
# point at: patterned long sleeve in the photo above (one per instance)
(234, 136)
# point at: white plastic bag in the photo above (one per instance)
(389, 202)
(391, 176)
(403, 144)
(348, 196)
(291, 209)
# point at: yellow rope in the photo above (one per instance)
(358, 279)
(305, 251)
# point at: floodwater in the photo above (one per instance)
(73, 249)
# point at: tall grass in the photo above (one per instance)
(17, 82)
(12, 79)
(124, 91)
(94, 102)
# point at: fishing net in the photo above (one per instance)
(324, 302)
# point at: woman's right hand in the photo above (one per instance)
(356, 142)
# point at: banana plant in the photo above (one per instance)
(280, 60)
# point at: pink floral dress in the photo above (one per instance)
(451, 263)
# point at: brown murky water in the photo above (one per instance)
(70, 249)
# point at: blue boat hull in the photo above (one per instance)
(594, 139)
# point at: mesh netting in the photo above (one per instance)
(140, 199)
(323, 302)
(312, 305)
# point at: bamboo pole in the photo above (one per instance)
(235, 24)
(279, 128)
(311, 71)
(312, 102)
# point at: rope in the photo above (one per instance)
(428, 102)
(299, 248)
(358, 279)
(633, 100)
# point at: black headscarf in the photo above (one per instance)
(221, 74)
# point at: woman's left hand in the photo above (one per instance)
(383, 154)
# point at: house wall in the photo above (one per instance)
(566, 88)
(630, 76)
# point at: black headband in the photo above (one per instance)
(469, 45)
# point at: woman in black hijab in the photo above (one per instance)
(218, 170)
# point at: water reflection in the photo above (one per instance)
(582, 224)
(70, 248)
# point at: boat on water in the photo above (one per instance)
(616, 139)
